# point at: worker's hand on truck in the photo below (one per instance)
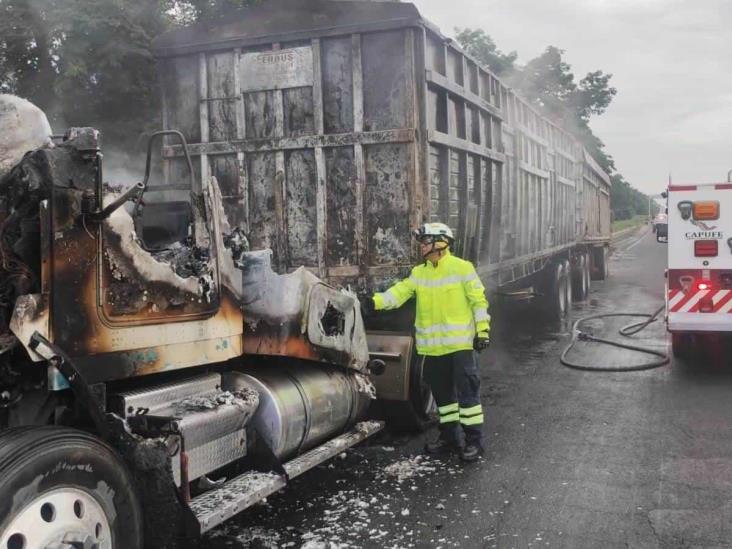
(367, 305)
(481, 341)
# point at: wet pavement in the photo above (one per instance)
(574, 459)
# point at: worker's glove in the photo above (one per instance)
(367, 305)
(481, 341)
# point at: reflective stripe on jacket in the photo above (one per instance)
(451, 304)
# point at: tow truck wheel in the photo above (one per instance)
(682, 345)
(65, 489)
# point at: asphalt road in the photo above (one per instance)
(574, 459)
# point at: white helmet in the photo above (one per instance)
(438, 232)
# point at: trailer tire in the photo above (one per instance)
(601, 264)
(578, 279)
(682, 345)
(556, 291)
(419, 412)
(587, 274)
(65, 482)
(568, 286)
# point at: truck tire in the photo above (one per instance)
(555, 295)
(578, 279)
(581, 279)
(601, 263)
(682, 345)
(568, 286)
(68, 489)
(419, 412)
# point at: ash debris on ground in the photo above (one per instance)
(367, 497)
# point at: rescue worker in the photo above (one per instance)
(451, 323)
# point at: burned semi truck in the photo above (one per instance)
(130, 414)
(174, 350)
(334, 128)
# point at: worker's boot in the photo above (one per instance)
(441, 446)
(471, 452)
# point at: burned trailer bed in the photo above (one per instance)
(335, 127)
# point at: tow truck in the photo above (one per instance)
(699, 275)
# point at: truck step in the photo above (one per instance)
(220, 504)
(212, 422)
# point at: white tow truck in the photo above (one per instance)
(699, 275)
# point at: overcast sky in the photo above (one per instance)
(671, 62)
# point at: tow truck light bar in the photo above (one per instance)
(706, 248)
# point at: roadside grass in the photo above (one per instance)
(636, 221)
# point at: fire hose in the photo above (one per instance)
(627, 331)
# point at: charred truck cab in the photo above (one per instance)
(129, 407)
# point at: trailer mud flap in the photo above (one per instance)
(220, 504)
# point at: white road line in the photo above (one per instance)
(634, 244)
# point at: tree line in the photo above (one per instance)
(91, 64)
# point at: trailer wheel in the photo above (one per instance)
(601, 263)
(568, 286)
(420, 411)
(65, 488)
(556, 291)
(580, 284)
(587, 274)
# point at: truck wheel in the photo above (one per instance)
(601, 263)
(568, 286)
(556, 291)
(682, 345)
(64, 488)
(579, 284)
(587, 275)
(420, 411)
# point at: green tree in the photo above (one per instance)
(91, 63)
(481, 46)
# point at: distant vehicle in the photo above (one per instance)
(660, 227)
(661, 218)
(699, 277)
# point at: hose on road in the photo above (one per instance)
(627, 331)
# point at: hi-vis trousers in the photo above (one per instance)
(455, 384)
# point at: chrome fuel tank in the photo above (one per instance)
(300, 407)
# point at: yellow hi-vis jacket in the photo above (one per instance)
(451, 304)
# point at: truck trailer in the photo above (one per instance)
(336, 128)
(173, 351)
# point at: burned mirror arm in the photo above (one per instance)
(133, 194)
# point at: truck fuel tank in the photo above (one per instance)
(302, 405)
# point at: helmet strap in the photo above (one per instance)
(433, 249)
